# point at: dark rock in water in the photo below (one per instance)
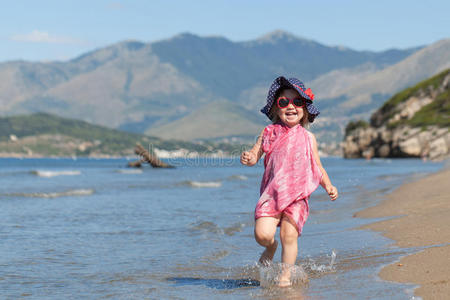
(413, 123)
(150, 158)
(135, 164)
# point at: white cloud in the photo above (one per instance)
(37, 36)
(115, 6)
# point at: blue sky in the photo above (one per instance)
(63, 29)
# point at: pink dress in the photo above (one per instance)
(291, 174)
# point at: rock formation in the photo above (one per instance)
(413, 123)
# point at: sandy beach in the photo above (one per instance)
(421, 212)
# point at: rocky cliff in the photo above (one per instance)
(413, 123)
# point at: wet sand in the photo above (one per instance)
(422, 211)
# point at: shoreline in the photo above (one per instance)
(419, 216)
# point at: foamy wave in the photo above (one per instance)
(48, 174)
(204, 184)
(130, 171)
(68, 193)
(238, 177)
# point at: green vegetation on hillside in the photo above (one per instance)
(436, 113)
(43, 123)
(353, 125)
(107, 140)
(388, 108)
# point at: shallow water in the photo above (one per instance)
(95, 229)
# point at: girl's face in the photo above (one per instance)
(290, 115)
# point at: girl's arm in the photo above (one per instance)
(325, 182)
(250, 158)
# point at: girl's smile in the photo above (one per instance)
(291, 115)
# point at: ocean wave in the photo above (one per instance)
(231, 230)
(13, 173)
(238, 177)
(207, 226)
(129, 171)
(68, 193)
(48, 174)
(203, 184)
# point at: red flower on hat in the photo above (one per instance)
(310, 94)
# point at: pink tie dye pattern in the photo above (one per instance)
(291, 174)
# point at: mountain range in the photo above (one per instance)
(191, 87)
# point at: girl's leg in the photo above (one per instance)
(265, 229)
(289, 242)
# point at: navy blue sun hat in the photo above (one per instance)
(295, 84)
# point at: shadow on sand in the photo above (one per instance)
(219, 284)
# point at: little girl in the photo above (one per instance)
(292, 171)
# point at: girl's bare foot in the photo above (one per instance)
(285, 277)
(267, 255)
(284, 283)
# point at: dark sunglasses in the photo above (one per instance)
(283, 102)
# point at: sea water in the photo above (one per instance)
(92, 228)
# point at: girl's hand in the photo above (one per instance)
(332, 192)
(248, 158)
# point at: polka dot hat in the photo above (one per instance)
(292, 83)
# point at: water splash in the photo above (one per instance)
(322, 268)
(333, 258)
(269, 276)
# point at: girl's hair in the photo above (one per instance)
(274, 111)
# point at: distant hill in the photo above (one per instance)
(151, 87)
(364, 95)
(46, 134)
(214, 120)
(402, 109)
(413, 123)
(227, 68)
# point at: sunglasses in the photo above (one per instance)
(283, 102)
